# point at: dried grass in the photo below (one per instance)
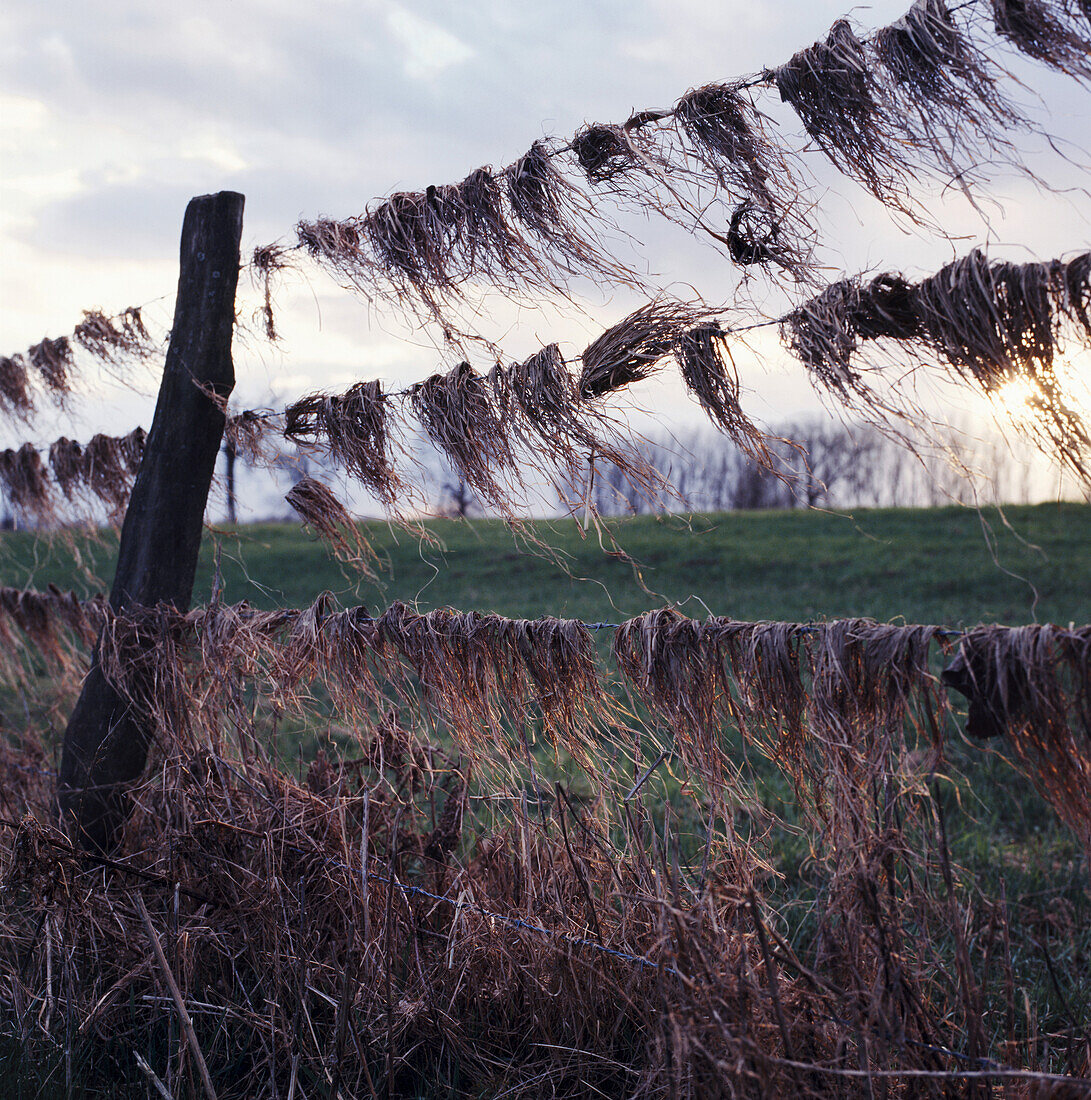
(945, 86)
(411, 914)
(109, 470)
(266, 261)
(26, 481)
(247, 432)
(632, 350)
(53, 361)
(710, 375)
(15, 394)
(606, 153)
(1050, 31)
(114, 340)
(989, 322)
(560, 218)
(319, 509)
(1032, 684)
(458, 414)
(841, 104)
(56, 625)
(428, 245)
(67, 463)
(724, 130)
(354, 428)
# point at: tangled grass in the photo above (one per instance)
(431, 905)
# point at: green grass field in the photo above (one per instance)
(950, 565)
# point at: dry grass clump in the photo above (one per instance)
(427, 912)
(354, 427)
(247, 432)
(387, 945)
(456, 411)
(1074, 285)
(56, 625)
(752, 236)
(15, 394)
(826, 331)
(114, 339)
(491, 245)
(109, 465)
(539, 397)
(559, 217)
(106, 466)
(722, 131)
(67, 463)
(429, 244)
(1051, 31)
(989, 322)
(725, 132)
(25, 479)
(53, 361)
(995, 322)
(266, 261)
(831, 87)
(709, 373)
(606, 153)
(488, 676)
(945, 85)
(632, 349)
(538, 400)
(1032, 684)
(319, 509)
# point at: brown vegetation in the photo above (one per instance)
(431, 907)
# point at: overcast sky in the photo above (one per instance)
(114, 112)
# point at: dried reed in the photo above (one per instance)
(67, 462)
(632, 349)
(429, 244)
(1032, 684)
(53, 361)
(247, 433)
(459, 417)
(944, 84)
(990, 321)
(725, 132)
(354, 426)
(266, 261)
(57, 625)
(114, 339)
(109, 468)
(1050, 31)
(841, 105)
(606, 152)
(405, 915)
(25, 479)
(15, 392)
(560, 217)
(327, 516)
(709, 373)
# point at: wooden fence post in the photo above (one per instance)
(105, 744)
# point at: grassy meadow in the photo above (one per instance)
(953, 566)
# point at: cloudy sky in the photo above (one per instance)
(114, 112)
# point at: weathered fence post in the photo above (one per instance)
(105, 745)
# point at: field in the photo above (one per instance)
(1014, 874)
(952, 566)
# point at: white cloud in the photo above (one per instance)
(429, 49)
